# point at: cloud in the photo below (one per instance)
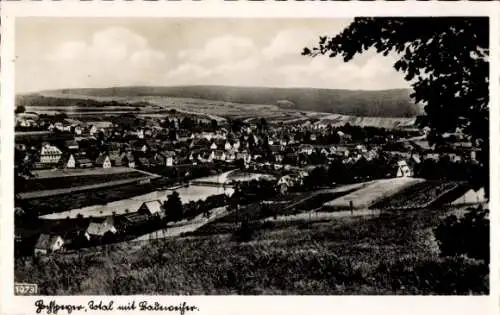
(224, 48)
(289, 42)
(375, 73)
(120, 56)
(186, 74)
(112, 56)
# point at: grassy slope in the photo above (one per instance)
(385, 255)
(384, 103)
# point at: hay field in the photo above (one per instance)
(372, 193)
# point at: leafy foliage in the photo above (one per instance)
(173, 207)
(20, 109)
(446, 61)
(469, 235)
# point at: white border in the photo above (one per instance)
(259, 9)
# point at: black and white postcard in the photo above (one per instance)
(157, 161)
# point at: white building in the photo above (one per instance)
(403, 169)
(50, 154)
(71, 162)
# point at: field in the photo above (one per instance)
(379, 122)
(386, 103)
(420, 195)
(255, 212)
(213, 109)
(55, 204)
(363, 108)
(75, 181)
(393, 254)
(62, 172)
(374, 192)
(33, 137)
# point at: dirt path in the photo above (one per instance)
(177, 228)
(321, 216)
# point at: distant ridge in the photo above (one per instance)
(382, 103)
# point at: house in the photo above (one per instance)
(151, 208)
(47, 243)
(219, 155)
(473, 155)
(236, 145)
(403, 170)
(432, 156)
(103, 161)
(278, 157)
(50, 154)
(231, 155)
(114, 150)
(306, 149)
(97, 126)
(72, 145)
(284, 184)
(244, 155)
(140, 133)
(128, 159)
(166, 158)
(325, 152)
(361, 148)
(207, 135)
(213, 146)
(99, 229)
(342, 151)
(193, 156)
(78, 130)
(59, 126)
(83, 162)
(206, 156)
(70, 163)
(140, 147)
(144, 162)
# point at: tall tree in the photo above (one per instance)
(20, 109)
(446, 61)
(173, 207)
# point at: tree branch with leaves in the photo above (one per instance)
(446, 61)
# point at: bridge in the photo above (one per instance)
(211, 184)
(219, 180)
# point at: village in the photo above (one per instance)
(135, 166)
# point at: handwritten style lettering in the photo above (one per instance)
(181, 308)
(54, 308)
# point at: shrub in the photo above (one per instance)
(245, 232)
(450, 275)
(465, 236)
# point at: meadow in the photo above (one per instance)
(371, 193)
(394, 253)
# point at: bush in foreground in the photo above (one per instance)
(469, 235)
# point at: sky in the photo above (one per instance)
(56, 53)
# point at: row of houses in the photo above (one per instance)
(98, 230)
